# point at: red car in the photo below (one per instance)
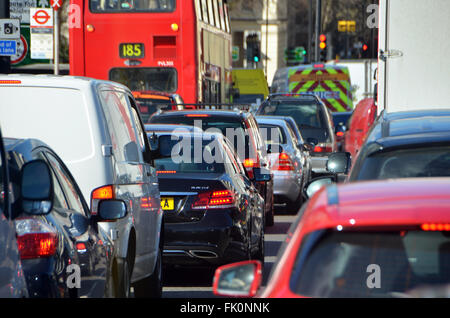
(359, 125)
(367, 239)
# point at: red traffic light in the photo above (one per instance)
(322, 38)
(365, 47)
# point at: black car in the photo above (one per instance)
(242, 131)
(12, 279)
(64, 252)
(313, 119)
(405, 145)
(213, 214)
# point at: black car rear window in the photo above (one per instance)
(187, 155)
(406, 163)
(371, 264)
(232, 127)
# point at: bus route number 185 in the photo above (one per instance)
(131, 50)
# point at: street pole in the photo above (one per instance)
(5, 61)
(56, 43)
(318, 28)
(310, 30)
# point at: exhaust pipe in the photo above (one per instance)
(203, 254)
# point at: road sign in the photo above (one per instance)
(9, 29)
(346, 26)
(8, 47)
(41, 18)
(56, 4)
(41, 29)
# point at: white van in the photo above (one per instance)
(96, 128)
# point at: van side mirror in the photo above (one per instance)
(36, 188)
(112, 210)
(339, 162)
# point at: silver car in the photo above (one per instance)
(287, 165)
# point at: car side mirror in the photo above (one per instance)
(261, 174)
(312, 141)
(36, 188)
(316, 184)
(111, 210)
(241, 279)
(339, 162)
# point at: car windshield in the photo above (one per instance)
(232, 128)
(186, 155)
(406, 163)
(308, 116)
(371, 264)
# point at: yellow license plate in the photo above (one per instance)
(167, 203)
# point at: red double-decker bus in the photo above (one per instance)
(174, 46)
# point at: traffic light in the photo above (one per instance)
(323, 47)
(253, 48)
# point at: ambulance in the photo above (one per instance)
(331, 83)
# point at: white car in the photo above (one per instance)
(96, 128)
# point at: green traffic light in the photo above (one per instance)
(256, 59)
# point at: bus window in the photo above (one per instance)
(98, 6)
(146, 79)
(222, 15)
(205, 11)
(211, 13)
(216, 15)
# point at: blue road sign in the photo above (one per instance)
(8, 47)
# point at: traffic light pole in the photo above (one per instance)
(317, 29)
(5, 61)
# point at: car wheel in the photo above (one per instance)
(151, 287)
(122, 278)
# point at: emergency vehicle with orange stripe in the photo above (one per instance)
(331, 83)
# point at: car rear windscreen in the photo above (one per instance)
(407, 163)
(272, 135)
(308, 116)
(372, 263)
(231, 127)
(183, 154)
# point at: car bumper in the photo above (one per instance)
(216, 239)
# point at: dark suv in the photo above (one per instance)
(313, 119)
(242, 131)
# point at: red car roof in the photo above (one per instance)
(372, 203)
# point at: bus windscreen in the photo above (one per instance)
(146, 79)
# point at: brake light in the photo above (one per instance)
(340, 133)
(435, 227)
(35, 238)
(102, 193)
(323, 149)
(284, 163)
(81, 247)
(249, 163)
(196, 115)
(166, 172)
(10, 82)
(214, 200)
